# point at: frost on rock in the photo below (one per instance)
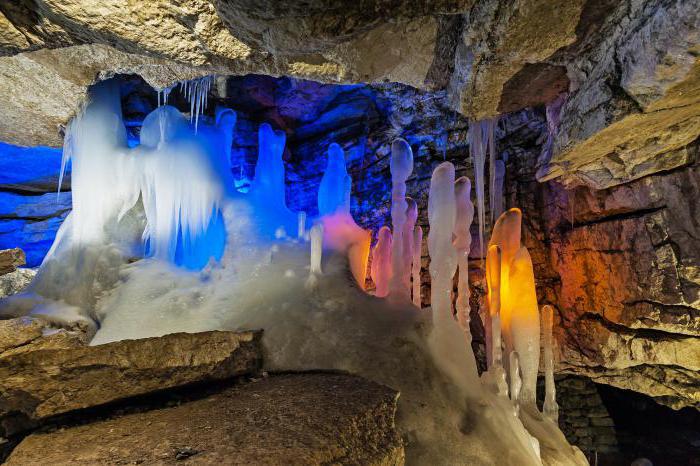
(401, 167)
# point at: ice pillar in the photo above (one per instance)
(550, 408)
(401, 168)
(407, 236)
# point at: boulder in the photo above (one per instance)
(309, 419)
(16, 282)
(41, 377)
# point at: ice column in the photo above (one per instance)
(462, 243)
(381, 262)
(401, 168)
(417, 245)
(550, 407)
(525, 321)
(316, 235)
(448, 341)
(334, 191)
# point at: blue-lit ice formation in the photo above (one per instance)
(181, 178)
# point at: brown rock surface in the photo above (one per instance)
(10, 259)
(622, 266)
(309, 419)
(49, 378)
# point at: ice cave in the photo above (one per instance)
(350, 233)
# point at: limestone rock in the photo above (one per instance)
(48, 381)
(16, 282)
(634, 104)
(10, 259)
(286, 419)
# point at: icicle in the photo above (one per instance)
(301, 224)
(497, 204)
(477, 150)
(550, 408)
(196, 92)
(462, 243)
(492, 169)
(381, 262)
(401, 168)
(417, 245)
(316, 253)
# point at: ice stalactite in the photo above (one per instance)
(336, 184)
(497, 201)
(316, 235)
(407, 237)
(449, 343)
(401, 168)
(462, 243)
(525, 322)
(381, 262)
(416, 265)
(550, 408)
(480, 137)
(506, 235)
(268, 187)
(196, 91)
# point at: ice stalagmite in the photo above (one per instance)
(381, 262)
(448, 341)
(416, 266)
(550, 408)
(494, 355)
(316, 235)
(462, 243)
(525, 321)
(506, 235)
(334, 191)
(341, 233)
(515, 380)
(268, 187)
(407, 236)
(401, 168)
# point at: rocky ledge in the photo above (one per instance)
(309, 419)
(161, 400)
